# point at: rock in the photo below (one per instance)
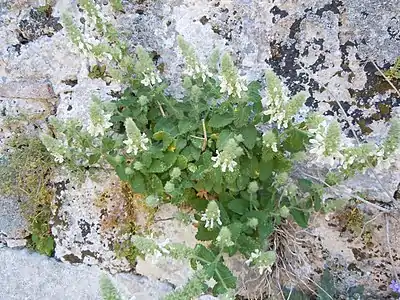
(26, 89)
(30, 276)
(13, 243)
(77, 224)
(37, 23)
(166, 227)
(12, 224)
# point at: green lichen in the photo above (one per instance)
(25, 173)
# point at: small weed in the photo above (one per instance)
(394, 71)
(97, 71)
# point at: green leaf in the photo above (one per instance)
(242, 116)
(203, 234)
(239, 206)
(197, 143)
(181, 162)
(164, 164)
(218, 121)
(154, 185)
(204, 253)
(180, 144)
(236, 229)
(186, 125)
(250, 167)
(326, 288)
(223, 137)
(296, 140)
(253, 91)
(165, 137)
(305, 185)
(250, 135)
(265, 228)
(266, 170)
(242, 182)
(146, 159)
(247, 244)
(300, 217)
(224, 278)
(108, 290)
(137, 183)
(94, 158)
(120, 169)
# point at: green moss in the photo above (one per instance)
(25, 173)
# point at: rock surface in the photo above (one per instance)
(30, 276)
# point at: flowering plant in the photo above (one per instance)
(226, 150)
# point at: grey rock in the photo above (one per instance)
(30, 276)
(12, 224)
(37, 23)
(16, 243)
(26, 89)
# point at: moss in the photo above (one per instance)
(25, 173)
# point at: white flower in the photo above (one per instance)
(318, 145)
(253, 256)
(131, 146)
(273, 146)
(150, 79)
(58, 158)
(211, 215)
(262, 260)
(136, 146)
(223, 162)
(143, 141)
(98, 126)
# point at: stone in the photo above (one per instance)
(30, 276)
(167, 227)
(12, 224)
(26, 89)
(77, 224)
(13, 243)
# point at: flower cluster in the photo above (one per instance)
(99, 120)
(270, 141)
(56, 148)
(193, 67)
(230, 80)
(145, 68)
(136, 141)
(224, 238)
(211, 215)
(226, 158)
(326, 144)
(262, 260)
(280, 108)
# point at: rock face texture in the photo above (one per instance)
(31, 276)
(328, 48)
